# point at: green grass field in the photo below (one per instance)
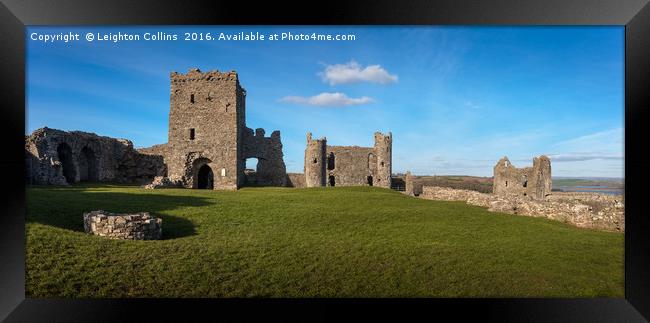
(320, 242)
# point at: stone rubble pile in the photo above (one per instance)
(585, 210)
(163, 182)
(138, 226)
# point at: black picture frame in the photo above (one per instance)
(633, 14)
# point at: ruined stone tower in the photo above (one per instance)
(540, 177)
(315, 161)
(533, 182)
(348, 165)
(208, 138)
(384, 152)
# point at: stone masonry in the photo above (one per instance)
(59, 157)
(586, 210)
(208, 144)
(533, 182)
(208, 139)
(138, 226)
(348, 165)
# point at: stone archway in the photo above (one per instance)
(64, 153)
(205, 178)
(88, 165)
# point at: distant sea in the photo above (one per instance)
(591, 189)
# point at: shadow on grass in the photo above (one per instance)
(64, 207)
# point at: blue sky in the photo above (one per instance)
(455, 98)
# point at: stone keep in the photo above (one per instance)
(208, 140)
(348, 165)
(533, 182)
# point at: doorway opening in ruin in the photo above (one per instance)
(88, 165)
(330, 161)
(332, 180)
(250, 171)
(369, 179)
(205, 178)
(65, 156)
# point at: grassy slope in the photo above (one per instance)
(330, 242)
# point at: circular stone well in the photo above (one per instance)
(137, 226)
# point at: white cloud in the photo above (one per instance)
(327, 99)
(611, 141)
(352, 72)
(570, 157)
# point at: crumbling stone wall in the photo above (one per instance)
(59, 157)
(353, 166)
(296, 180)
(208, 134)
(157, 150)
(585, 210)
(413, 184)
(271, 170)
(138, 226)
(348, 165)
(208, 144)
(533, 182)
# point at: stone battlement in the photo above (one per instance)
(195, 75)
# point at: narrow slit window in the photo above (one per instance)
(192, 134)
(191, 98)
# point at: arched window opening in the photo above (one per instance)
(88, 165)
(332, 181)
(65, 157)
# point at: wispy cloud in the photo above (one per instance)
(352, 72)
(472, 105)
(571, 157)
(608, 140)
(327, 99)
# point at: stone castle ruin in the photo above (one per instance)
(55, 157)
(527, 191)
(208, 138)
(534, 182)
(208, 145)
(348, 165)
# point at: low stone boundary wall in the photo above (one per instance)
(585, 210)
(138, 226)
